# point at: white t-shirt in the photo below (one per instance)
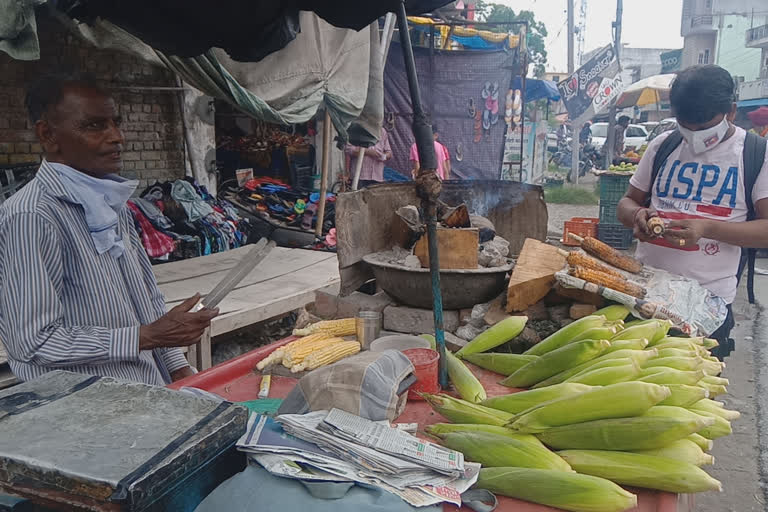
(705, 186)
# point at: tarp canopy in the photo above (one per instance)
(538, 89)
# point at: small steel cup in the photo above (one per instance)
(368, 327)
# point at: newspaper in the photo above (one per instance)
(335, 459)
(689, 306)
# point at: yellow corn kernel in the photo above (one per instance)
(579, 259)
(608, 254)
(295, 355)
(277, 355)
(327, 355)
(607, 280)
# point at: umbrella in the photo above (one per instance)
(647, 91)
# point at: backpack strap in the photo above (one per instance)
(754, 156)
(666, 148)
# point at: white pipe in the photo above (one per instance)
(358, 168)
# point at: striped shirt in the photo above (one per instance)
(64, 306)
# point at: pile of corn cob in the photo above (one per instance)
(608, 404)
(321, 344)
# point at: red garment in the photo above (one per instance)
(156, 244)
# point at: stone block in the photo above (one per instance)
(453, 342)
(355, 302)
(417, 321)
(465, 315)
(581, 310)
(326, 304)
(558, 313)
(537, 311)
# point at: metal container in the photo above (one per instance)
(461, 288)
(368, 327)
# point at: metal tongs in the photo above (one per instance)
(248, 262)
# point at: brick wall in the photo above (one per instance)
(151, 119)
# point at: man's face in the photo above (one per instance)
(695, 127)
(83, 132)
(435, 136)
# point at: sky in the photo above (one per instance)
(646, 24)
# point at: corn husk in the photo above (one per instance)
(702, 442)
(604, 332)
(497, 335)
(646, 331)
(464, 380)
(613, 312)
(664, 375)
(561, 489)
(494, 451)
(615, 401)
(683, 395)
(565, 335)
(641, 470)
(524, 400)
(639, 356)
(607, 376)
(676, 352)
(556, 361)
(504, 364)
(636, 344)
(461, 411)
(718, 427)
(684, 450)
(441, 429)
(713, 407)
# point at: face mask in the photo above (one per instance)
(704, 140)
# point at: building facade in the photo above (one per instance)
(714, 33)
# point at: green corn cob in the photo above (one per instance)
(661, 332)
(613, 312)
(715, 381)
(684, 450)
(684, 396)
(638, 344)
(642, 470)
(637, 433)
(714, 407)
(639, 356)
(495, 451)
(565, 335)
(464, 380)
(703, 443)
(524, 400)
(698, 340)
(676, 352)
(718, 427)
(633, 323)
(606, 376)
(604, 332)
(504, 364)
(709, 343)
(646, 331)
(497, 335)
(460, 411)
(556, 361)
(677, 363)
(714, 390)
(712, 368)
(682, 343)
(664, 375)
(561, 489)
(615, 401)
(441, 429)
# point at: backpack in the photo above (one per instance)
(754, 156)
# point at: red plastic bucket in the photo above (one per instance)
(424, 362)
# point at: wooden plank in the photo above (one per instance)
(3, 355)
(202, 276)
(533, 275)
(457, 248)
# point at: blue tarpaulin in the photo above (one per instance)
(752, 103)
(538, 89)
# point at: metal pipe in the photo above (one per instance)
(146, 88)
(523, 72)
(426, 150)
(327, 127)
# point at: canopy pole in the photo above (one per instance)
(358, 168)
(327, 127)
(428, 185)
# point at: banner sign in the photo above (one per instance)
(592, 87)
(670, 61)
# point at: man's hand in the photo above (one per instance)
(178, 327)
(640, 224)
(685, 233)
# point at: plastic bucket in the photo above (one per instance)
(424, 362)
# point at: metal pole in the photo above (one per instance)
(570, 37)
(327, 128)
(611, 138)
(427, 185)
(522, 117)
(571, 68)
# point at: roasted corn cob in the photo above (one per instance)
(465, 382)
(277, 355)
(641, 470)
(608, 254)
(296, 355)
(494, 451)
(561, 489)
(637, 433)
(504, 364)
(607, 280)
(522, 401)
(565, 335)
(656, 226)
(331, 328)
(327, 355)
(615, 401)
(556, 361)
(682, 449)
(497, 335)
(578, 258)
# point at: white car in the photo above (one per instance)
(634, 137)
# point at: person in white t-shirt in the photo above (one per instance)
(699, 191)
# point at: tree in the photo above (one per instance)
(537, 31)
